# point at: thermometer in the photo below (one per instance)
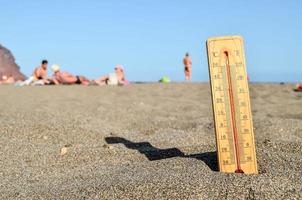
(231, 105)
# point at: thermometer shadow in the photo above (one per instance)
(152, 153)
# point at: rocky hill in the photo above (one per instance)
(8, 65)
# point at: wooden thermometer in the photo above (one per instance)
(231, 105)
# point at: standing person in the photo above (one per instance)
(66, 78)
(188, 67)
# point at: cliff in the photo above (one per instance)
(8, 65)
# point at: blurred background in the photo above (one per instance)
(151, 37)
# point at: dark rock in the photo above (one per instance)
(8, 65)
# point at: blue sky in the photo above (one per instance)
(150, 37)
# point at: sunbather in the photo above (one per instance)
(39, 76)
(116, 78)
(40, 73)
(66, 78)
(298, 88)
(7, 80)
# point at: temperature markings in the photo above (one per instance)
(244, 117)
(222, 125)
(224, 137)
(227, 162)
(237, 52)
(219, 100)
(231, 105)
(241, 91)
(243, 104)
(240, 78)
(216, 65)
(245, 131)
(217, 76)
(220, 112)
(238, 64)
(247, 145)
(225, 150)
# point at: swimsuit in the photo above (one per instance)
(78, 80)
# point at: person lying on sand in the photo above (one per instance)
(116, 78)
(66, 78)
(298, 88)
(188, 67)
(7, 80)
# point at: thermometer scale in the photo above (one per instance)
(231, 105)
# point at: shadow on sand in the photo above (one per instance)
(153, 153)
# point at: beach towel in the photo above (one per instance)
(30, 81)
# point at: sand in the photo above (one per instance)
(147, 141)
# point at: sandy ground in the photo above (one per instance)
(141, 142)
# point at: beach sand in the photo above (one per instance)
(145, 141)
